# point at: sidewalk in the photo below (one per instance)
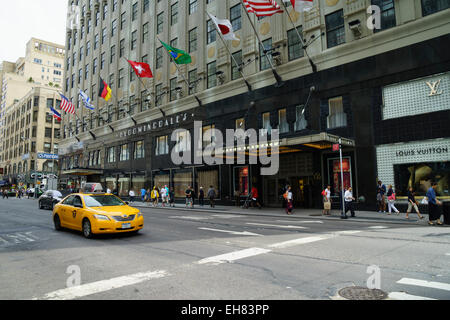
(361, 216)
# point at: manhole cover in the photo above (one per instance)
(360, 293)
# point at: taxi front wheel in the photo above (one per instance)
(57, 223)
(87, 230)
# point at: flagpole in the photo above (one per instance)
(275, 74)
(148, 90)
(182, 75)
(232, 57)
(314, 67)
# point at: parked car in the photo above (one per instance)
(49, 199)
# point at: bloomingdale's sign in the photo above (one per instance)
(155, 125)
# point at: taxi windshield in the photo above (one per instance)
(103, 201)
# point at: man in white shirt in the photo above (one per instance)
(132, 195)
(164, 195)
(348, 197)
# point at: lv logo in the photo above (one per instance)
(434, 88)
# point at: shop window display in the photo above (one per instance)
(419, 176)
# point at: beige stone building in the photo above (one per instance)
(27, 86)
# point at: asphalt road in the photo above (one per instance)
(190, 255)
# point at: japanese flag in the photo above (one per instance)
(301, 5)
(225, 27)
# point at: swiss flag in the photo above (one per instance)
(141, 69)
(225, 27)
(301, 5)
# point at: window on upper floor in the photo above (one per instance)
(300, 119)
(337, 118)
(433, 6)
(295, 48)
(235, 17)
(387, 8)
(335, 28)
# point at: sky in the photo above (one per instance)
(21, 20)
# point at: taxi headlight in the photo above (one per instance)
(139, 214)
(100, 217)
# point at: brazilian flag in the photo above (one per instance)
(178, 56)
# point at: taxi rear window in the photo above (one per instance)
(102, 201)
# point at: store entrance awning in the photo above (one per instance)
(320, 141)
(82, 172)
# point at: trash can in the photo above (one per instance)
(446, 211)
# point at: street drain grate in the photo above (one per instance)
(361, 293)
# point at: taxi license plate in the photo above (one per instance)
(126, 226)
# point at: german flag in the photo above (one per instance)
(105, 91)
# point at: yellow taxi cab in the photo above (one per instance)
(96, 213)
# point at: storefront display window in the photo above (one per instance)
(241, 181)
(161, 180)
(124, 186)
(138, 183)
(336, 178)
(208, 178)
(181, 180)
(419, 176)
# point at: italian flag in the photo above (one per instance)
(301, 5)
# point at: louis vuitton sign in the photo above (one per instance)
(156, 125)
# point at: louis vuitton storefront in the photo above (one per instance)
(419, 149)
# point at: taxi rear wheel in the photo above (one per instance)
(87, 230)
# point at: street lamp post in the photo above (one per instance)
(343, 215)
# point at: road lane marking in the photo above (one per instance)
(226, 216)
(377, 227)
(405, 296)
(17, 238)
(348, 232)
(245, 233)
(233, 256)
(320, 222)
(189, 218)
(102, 286)
(275, 225)
(424, 283)
(296, 242)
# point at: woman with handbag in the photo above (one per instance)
(412, 203)
(391, 200)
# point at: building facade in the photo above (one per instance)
(347, 83)
(26, 128)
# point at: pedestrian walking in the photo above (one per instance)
(255, 197)
(155, 196)
(326, 194)
(211, 196)
(164, 196)
(148, 196)
(143, 193)
(434, 216)
(131, 194)
(381, 199)
(391, 200)
(289, 200)
(201, 197)
(412, 203)
(172, 198)
(348, 198)
(189, 197)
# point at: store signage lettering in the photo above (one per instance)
(434, 87)
(155, 125)
(419, 152)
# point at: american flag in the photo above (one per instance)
(66, 105)
(262, 8)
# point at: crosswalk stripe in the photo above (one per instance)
(405, 296)
(423, 283)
